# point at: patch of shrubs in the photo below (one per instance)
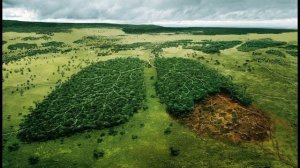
(252, 45)
(33, 160)
(22, 46)
(134, 137)
(289, 47)
(36, 38)
(212, 47)
(293, 52)
(271, 61)
(167, 131)
(112, 132)
(98, 154)
(13, 147)
(55, 44)
(102, 95)
(174, 151)
(276, 52)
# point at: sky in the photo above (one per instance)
(183, 13)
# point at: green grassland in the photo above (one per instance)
(143, 141)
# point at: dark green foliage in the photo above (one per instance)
(134, 137)
(276, 52)
(33, 160)
(21, 46)
(293, 52)
(50, 28)
(175, 43)
(103, 53)
(4, 42)
(279, 61)
(54, 44)
(101, 42)
(212, 47)
(174, 151)
(201, 30)
(36, 38)
(32, 52)
(104, 94)
(98, 154)
(258, 44)
(183, 81)
(13, 147)
(289, 47)
(112, 132)
(99, 140)
(132, 46)
(167, 131)
(256, 53)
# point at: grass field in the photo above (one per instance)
(141, 142)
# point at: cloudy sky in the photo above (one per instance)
(215, 13)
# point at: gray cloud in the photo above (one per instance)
(141, 11)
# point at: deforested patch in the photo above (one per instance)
(221, 117)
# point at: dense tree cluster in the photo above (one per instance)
(276, 52)
(6, 58)
(33, 49)
(121, 47)
(211, 47)
(293, 52)
(44, 37)
(96, 41)
(271, 61)
(252, 45)
(22, 46)
(54, 44)
(289, 47)
(102, 95)
(183, 81)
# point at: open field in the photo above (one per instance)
(151, 137)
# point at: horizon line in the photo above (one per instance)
(68, 21)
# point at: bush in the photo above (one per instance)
(276, 52)
(174, 151)
(33, 160)
(13, 147)
(98, 154)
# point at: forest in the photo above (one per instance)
(181, 82)
(102, 95)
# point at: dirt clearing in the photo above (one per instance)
(221, 117)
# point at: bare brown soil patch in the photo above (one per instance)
(220, 116)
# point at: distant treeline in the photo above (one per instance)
(48, 28)
(203, 30)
